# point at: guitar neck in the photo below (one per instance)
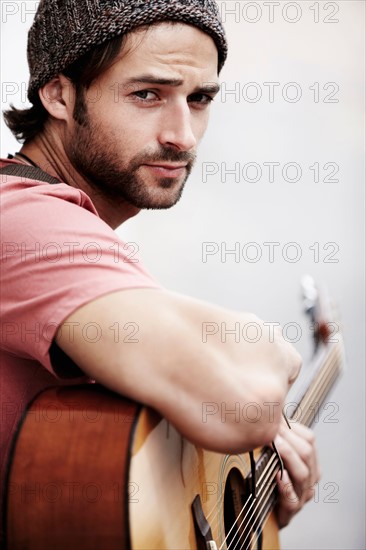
(320, 377)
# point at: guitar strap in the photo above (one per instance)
(58, 357)
(28, 172)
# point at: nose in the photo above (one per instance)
(176, 128)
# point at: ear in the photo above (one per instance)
(58, 98)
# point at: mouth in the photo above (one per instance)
(166, 170)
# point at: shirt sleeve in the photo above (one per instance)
(56, 255)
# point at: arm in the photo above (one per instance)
(172, 370)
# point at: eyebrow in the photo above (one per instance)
(209, 87)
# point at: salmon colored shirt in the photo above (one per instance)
(56, 255)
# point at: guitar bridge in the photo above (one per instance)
(202, 527)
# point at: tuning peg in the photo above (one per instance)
(310, 296)
(309, 290)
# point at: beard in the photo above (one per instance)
(99, 160)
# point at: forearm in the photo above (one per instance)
(192, 382)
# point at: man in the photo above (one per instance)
(121, 94)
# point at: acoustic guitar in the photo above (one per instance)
(93, 471)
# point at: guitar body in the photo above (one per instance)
(167, 473)
(94, 471)
(66, 486)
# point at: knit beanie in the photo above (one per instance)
(64, 30)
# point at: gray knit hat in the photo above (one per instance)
(64, 30)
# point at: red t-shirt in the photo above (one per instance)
(56, 255)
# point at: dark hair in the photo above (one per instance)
(25, 124)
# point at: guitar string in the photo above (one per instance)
(268, 471)
(330, 373)
(260, 504)
(318, 397)
(249, 502)
(308, 390)
(262, 520)
(305, 402)
(326, 377)
(330, 362)
(259, 521)
(245, 519)
(263, 506)
(218, 511)
(318, 393)
(215, 512)
(237, 532)
(328, 365)
(258, 515)
(331, 369)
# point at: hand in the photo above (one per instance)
(297, 450)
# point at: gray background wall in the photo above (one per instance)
(293, 94)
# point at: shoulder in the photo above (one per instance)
(25, 192)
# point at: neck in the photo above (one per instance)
(48, 153)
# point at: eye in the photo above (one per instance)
(200, 99)
(143, 96)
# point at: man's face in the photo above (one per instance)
(146, 116)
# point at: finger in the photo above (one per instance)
(288, 503)
(301, 430)
(308, 454)
(298, 459)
